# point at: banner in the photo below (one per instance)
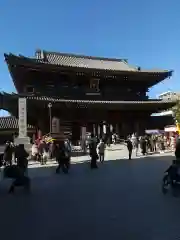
(171, 129)
(83, 133)
(55, 125)
(178, 127)
(22, 109)
(104, 129)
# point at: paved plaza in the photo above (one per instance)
(120, 200)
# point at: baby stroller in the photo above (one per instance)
(171, 179)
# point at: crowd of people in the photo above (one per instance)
(15, 158)
(150, 143)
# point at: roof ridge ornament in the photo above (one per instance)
(41, 54)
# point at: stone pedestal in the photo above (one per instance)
(25, 141)
(23, 138)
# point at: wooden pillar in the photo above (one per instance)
(137, 128)
(90, 127)
(94, 129)
(83, 138)
(117, 129)
(125, 130)
(111, 128)
(99, 131)
(75, 132)
(104, 129)
(142, 127)
(43, 126)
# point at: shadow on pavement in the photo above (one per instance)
(82, 167)
(121, 199)
(113, 150)
(154, 163)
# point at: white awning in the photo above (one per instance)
(165, 113)
(154, 131)
(170, 129)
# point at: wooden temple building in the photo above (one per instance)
(83, 91)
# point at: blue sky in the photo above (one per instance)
(147, 33)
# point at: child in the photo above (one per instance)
(45, 156)
(101, 150)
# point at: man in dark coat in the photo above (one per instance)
(130, 148)
(93, 152)
(143, 145)
(21, 155)
(18, 172)
(61, 158)
(8, 152)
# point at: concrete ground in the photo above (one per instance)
(120, 200)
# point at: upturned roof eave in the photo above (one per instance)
(14, 59)
(63, 100)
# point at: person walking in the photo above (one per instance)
(34, 151)
(18, 172)
(61, 158)
(143, 146)
(21, 156)
(8, 154)
(130, 148)
(136, 144)
(68, 150)
(101, 150)
(93, 153)
(45, 156)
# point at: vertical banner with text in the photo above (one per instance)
(83, 133)
(22, 117)
(55, 125)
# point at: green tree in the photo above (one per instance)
(176, 110)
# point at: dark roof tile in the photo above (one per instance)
(87, 62)
(52, 99)
(10, 123)
(80, 61)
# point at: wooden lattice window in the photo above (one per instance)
(30, 89)
(94, 84)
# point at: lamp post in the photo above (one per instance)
(50, 117)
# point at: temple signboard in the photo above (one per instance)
(83, 133)
(22, 117)
(55, 125)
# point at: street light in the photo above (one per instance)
(50, 117)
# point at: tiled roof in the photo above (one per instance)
(81, 61)
(78, 101)
(72, 60)
(10, 123)
(51, 99)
